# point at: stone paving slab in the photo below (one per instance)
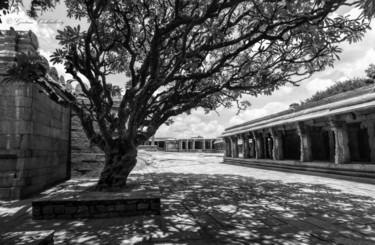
(206, 202)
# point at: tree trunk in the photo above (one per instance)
(117, 168)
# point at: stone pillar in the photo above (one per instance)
(342, 153)
(371, 138)
(277, 151)
(234, 144)
(245, 146)
(179, 145)
(228, 147)
(187, 145)
(193, 145)
(304, 134)
(211, 145)
(331, 142)
(264, 141)
(204, 144)
(252, 146)
(259, 154)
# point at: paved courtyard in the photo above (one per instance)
(207, 202)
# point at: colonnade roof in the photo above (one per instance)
(197, 139)
(356, 100)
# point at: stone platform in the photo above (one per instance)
(27, 237)
(358, 172)
(138, 198)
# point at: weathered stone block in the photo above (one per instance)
(131, 201)
(37, 211)
(155, 206)
(70, 210)
(98, 209)
(8, 164)
(47, 210)
(19, 127)
(143, 206)
(64, 216)
(120, 208)
(111, 208)
(130, 207)
(16, 113)
(101, 215)
(10, 141)
(114, 215)
(17, 101)
(59, 209)
(5, 193)
(48, 216)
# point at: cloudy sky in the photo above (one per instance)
(354, 59)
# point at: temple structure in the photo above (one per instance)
(334, 133)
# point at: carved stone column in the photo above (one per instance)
(187, 145)
(342, 153)
(204, 144)
(277, 151)
(228, 147)
(193, 145)
(211, 145)
(258, 137)
(252, 146)
(234, 144)
(245, 146)
(304, 134)
(179, 145)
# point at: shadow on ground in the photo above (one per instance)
(223, 209)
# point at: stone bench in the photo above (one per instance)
(137, 199)
(28, 237)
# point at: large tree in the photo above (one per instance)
(182, 54)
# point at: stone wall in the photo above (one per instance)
(34, 130)
(34, 141)
(85, 156)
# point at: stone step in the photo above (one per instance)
(365, 176)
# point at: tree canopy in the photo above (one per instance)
(344, 86)
(338, 88)
(179, 55)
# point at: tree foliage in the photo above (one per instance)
(370, 71)
(179, 55)
(345, 86)
(338, 88)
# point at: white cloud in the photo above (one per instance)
(190, 126)
(318, 84)
(285, 90)
(251, 114)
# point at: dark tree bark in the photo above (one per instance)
(118, 166)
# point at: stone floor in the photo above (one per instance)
(207, 202)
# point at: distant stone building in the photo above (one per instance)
(335, 133)
(194, 144)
